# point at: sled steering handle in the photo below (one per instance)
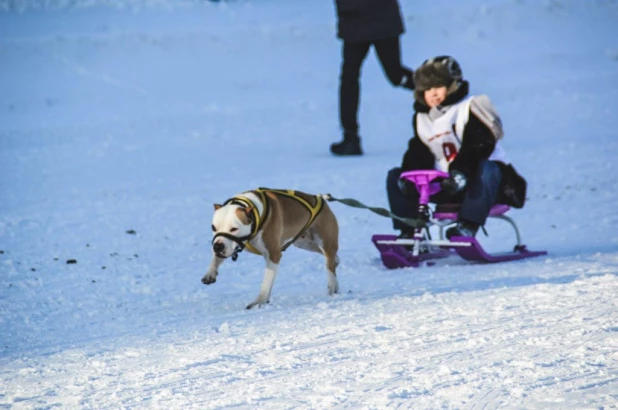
(424, 182)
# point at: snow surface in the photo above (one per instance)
(121, 123)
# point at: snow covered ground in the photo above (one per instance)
(121, 123)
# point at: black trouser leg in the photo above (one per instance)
(481, 193)
(389, 54)
(349, 88)
(405, 206)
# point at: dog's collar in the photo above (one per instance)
(257, 202)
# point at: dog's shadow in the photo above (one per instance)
(454, 275)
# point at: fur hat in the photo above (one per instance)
(442, 71)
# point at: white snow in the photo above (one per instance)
(120, 116)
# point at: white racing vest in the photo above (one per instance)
(443, 135)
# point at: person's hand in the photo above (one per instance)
(407, 187)
(455, 183)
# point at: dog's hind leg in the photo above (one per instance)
(272, 265)
(325, 244)
(332, 260)
(311, 241)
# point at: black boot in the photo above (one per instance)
(407, 80)
(463, 228)
(349, 146)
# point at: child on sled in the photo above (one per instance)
(460, 134)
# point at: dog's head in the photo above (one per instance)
(231, 226)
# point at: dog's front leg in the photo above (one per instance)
(269, 279)
(213, 270)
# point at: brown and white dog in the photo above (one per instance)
(266, 222)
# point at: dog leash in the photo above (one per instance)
(413, 222)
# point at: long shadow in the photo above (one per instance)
(578, 250)
(466, 281)
(508, 282)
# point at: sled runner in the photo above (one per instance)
(421, 249)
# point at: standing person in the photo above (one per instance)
(361, 24)
(458, 134)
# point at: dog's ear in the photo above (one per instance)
(217, 206)
(245, 215)
(249, 212)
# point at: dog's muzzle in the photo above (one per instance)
(218, 247)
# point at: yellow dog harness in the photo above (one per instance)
(259, 219)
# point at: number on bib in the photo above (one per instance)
(450, 151)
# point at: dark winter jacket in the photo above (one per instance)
(368, 20)
(478, 143)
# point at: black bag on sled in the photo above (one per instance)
(513, 187)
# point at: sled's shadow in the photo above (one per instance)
(453, 275)
(509, 282)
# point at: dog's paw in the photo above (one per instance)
(333, 286)
(333, 290)
(257, 303)
(209, 278)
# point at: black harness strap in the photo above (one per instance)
(256, 223)
(314, 210)
(242, 242)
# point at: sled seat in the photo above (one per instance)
(446, 214)
(397, 252)
(450, 211)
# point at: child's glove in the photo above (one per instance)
(407, 187)
(455, 183)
